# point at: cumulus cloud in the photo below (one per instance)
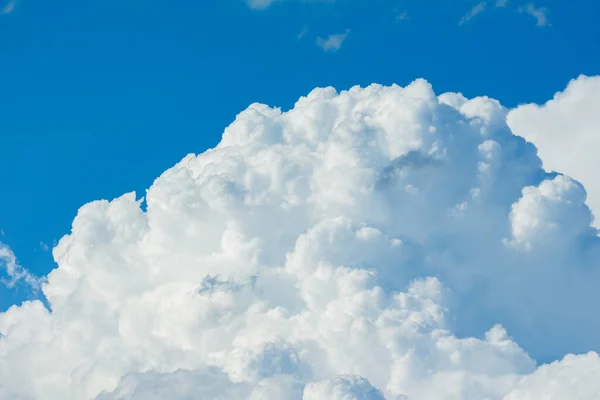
(377, 243)
(575, 377)
(342, 388)
(566, 130)
(539, 13)
(333, 42)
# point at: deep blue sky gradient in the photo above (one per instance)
(97, 98)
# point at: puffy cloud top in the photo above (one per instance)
(378, 243)
(566, 130)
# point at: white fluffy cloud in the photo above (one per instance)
(566, 130)
(378, 243)
(575, 377)
(342, 388)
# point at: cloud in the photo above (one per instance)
(9, 7)
(565, 130)
(260, 4)
(402, 16)
(264, 4)
(381, 242)
(544, 212)
(540, 14)
(342, 388)
(333, 42)
(210, 383)
(575, 377)
(303, 32)
(501, 3)
(477, 9)
(14, 272)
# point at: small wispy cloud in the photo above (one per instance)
(402, 16)
(477, 9)
(303, 32)
(8, 7)
(259, 4)
(501, 3)
(13, 272)
(44, 246)
(539, 13)
(333, 42)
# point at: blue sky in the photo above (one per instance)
(99, 97)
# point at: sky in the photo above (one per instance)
(99, 99)
(91, 88)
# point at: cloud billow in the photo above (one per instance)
(377, 243)
(565, 130)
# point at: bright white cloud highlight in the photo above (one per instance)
(378, 243)
(575, 377)
(566, 130)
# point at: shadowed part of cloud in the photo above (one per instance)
(539, 13)
(332, 42)
(477, 9)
